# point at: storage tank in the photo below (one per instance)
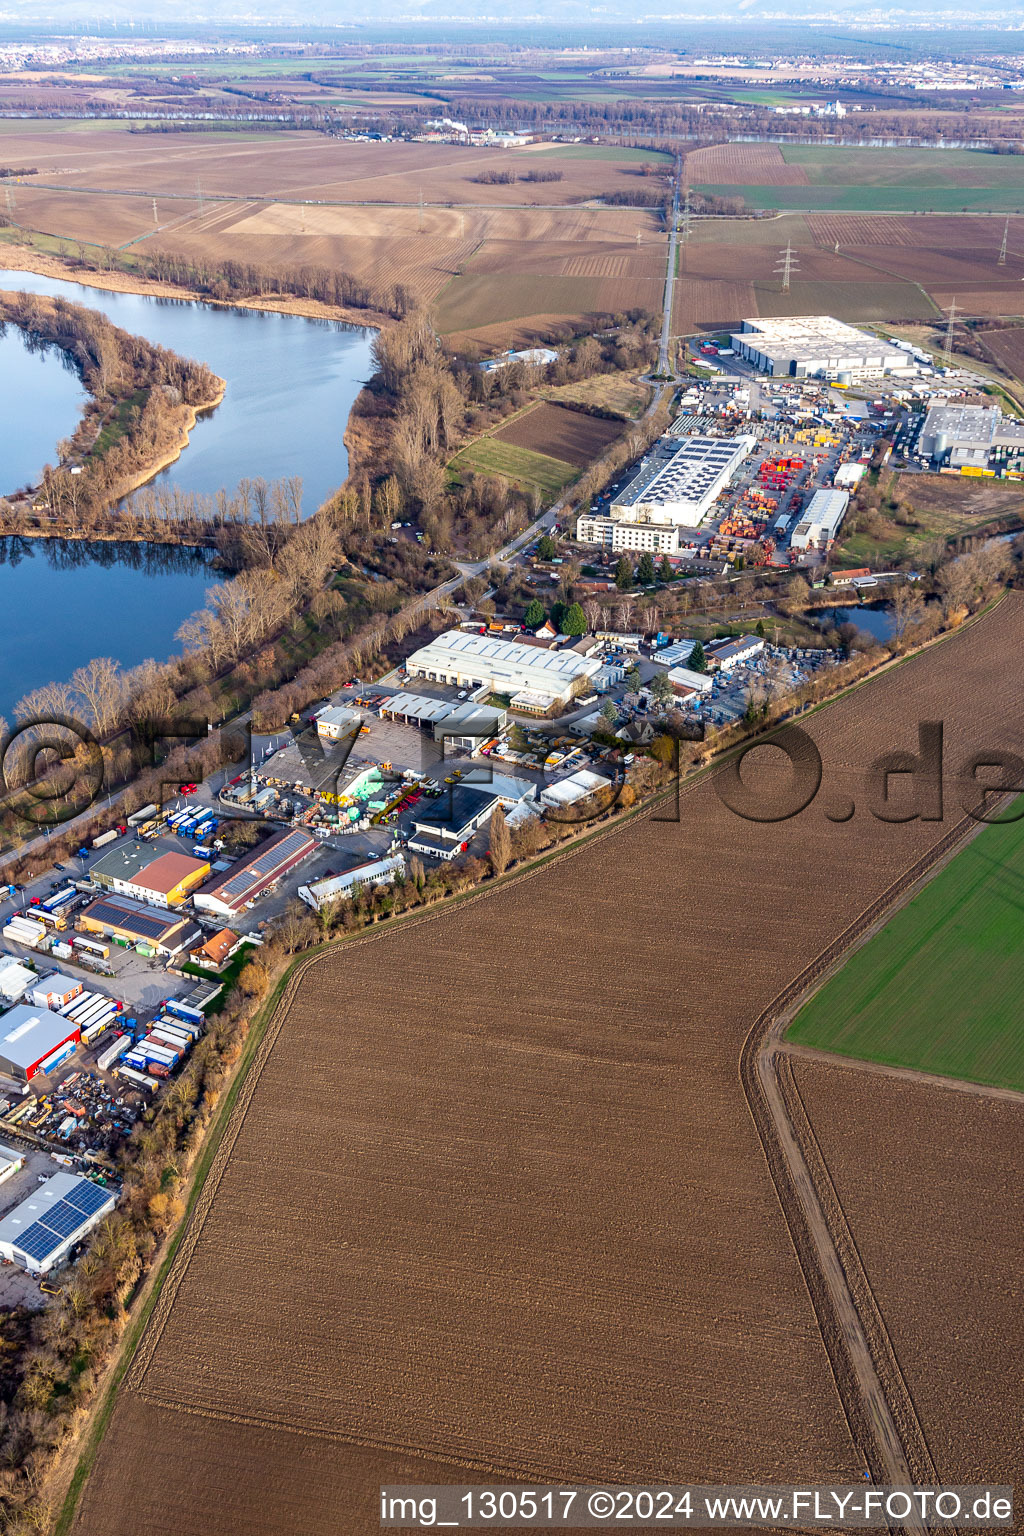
(940, 446)
(844, 378)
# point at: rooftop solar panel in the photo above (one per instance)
(87, 1198)
(62, 1218)
(146, 924)
(38, 1241)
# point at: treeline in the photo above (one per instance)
(509, 178)
(18, 170)
(236, 526)
(143, 399)
(226, 280)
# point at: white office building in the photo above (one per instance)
(817, 346)
(652, 538)
(503, 666)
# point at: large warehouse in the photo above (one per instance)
(967, 436)
(820, 521)
(503, 666)
(34, 1040)
(140, 871)
(44, 1228)
(679, 480)
(816, 346)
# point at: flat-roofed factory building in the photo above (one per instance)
(817, 347)
(40, 1232)
(679, 481)
(34, 1040)
(503, 666)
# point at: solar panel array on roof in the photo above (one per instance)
(87, 1198)
(237, 885)
(146, 924)
(62, 1220)
(38, 1241)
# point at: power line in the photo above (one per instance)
(786, 265)
(947, 351)
(1002, 249)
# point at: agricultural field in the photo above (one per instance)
(617, 1241)
(939, 987)
(626, 396)
(522, 466)
(855, 178)
(1007, 347)
(560, 433)
(407, 213)
(929, 1182)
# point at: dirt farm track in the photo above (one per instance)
(492, 1197)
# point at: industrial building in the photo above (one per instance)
(578, 786)
(654, 538)
(820, 520)
(230, 893)
(817, 347)
(462, 725)
(34, 1040)
(503, 666)
(138, 871)
(683, 680)
(55, 991)
(731, 653)
(968, 436)
(445, 829)
(335, 722)
(15, 978)
(130, 922)
(371, 872)
(40, 1232)
(10, 1162)
(678, 481)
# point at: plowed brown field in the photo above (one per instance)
(700, 303)
(561, 433)
(1008, 347)
(752, 165)
(929, 1179)
(492, 1195)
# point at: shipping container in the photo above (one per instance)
(94, 1031)
(92, 946)
(113, 1051)
(141, 1079)
(104, 838)
(138, 817)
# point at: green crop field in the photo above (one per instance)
(939, 987)
(526, 468)
(853, 166)
(875, 199)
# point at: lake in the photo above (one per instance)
(876, 620)
(290, 386)
(63, 603)
(291, 383)
(42, 402)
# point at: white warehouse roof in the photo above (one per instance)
(503, 665)
(678, 482)
(802, 345)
